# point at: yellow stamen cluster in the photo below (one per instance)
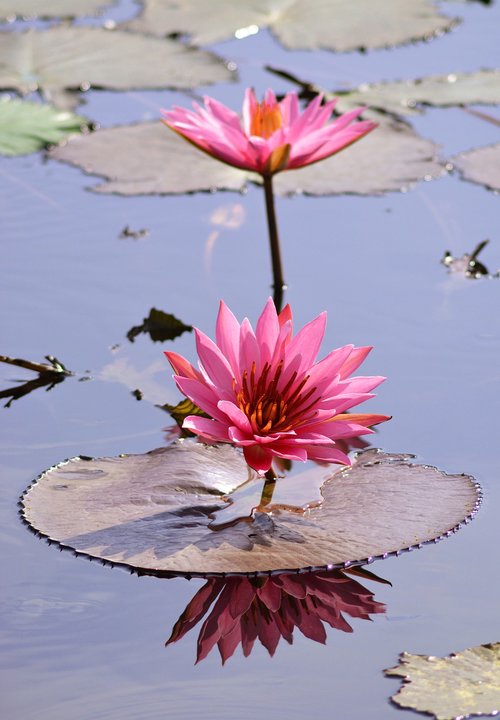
(269, 409)
(266, 119)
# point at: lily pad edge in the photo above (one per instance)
(264, 573)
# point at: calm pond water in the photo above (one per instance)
(85, 642)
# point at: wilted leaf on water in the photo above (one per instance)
(481, 166)
(147, 158)
(406, 97)
(26, 127)
(151, 512)
(48, 376)
(468, 264)
(65, 58)
(461, 685)
(160, 326)
(51, 8)
(339, 25)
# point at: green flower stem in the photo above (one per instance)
(278, 281)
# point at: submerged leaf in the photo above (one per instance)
(26, 127)
(481, 166)
(66, 58)
(51, 8)
(147, 158)
(151, 512)
(337, 25)
(160, 326)
(461, 685)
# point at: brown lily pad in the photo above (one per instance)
(151, 512)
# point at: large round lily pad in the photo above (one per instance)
(338, 25)
(151, 512)
(62, 59)
(148, 158)
(51, 8)
(481, 166)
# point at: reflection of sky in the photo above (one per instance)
(69, 287)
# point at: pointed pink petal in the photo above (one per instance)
(308, 341)
(267, 331)
(235, 415)
(227, 333)
(214, 362)
(182, 367)
(207, 428)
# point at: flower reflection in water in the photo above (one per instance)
(269, 608)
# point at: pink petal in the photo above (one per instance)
(235, 415)
(227, 333)
(182, 367)
(308, 341)
(214, 362)
(205, 427)
(258, 458)
(267, 331)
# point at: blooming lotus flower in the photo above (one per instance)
(270, 608)
(264, 391)
(271, 136)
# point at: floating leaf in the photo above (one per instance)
(406, 97)
(481, 166)
(461, 685)
(67, 58)
(151, 512)
(160, 326)
(180, 412)
(299, 24)
(147, 158)
(51, 8)
(26, 127)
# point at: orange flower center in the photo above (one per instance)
(266, 119)
(271, 410)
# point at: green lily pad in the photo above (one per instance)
(462, 685)
(51, 8)
(152, 512)
(337, 25)
(148, 158)
(63, 59)
(481, 166)
(26, 127)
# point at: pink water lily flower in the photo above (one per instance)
(265, 392)
(271, 136)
